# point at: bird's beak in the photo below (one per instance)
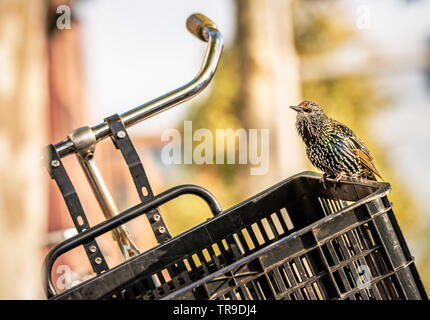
(296, 108)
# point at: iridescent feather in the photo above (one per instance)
(331, 146)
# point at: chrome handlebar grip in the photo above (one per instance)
(204, 29)
(197, 23)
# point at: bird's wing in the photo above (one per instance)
(354, 144)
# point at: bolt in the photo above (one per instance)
(120, 134)
(156, 217)
(161, 230)
(93, 249)
(89, 156)
(55, 163)
(98, 260)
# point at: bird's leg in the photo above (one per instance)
(338, 177)
(323, 180)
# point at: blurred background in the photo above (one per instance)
(366, 62)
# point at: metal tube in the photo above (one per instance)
(169, 100)
(97, 183)
(107, 204)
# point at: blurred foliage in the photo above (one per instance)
(423, 258)
(221, 109)
(319, 26)
(186, 212)
(353, 99)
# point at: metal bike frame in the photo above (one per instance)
(82, 141)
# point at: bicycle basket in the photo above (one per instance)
(293, 241)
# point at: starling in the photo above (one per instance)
(331, 146)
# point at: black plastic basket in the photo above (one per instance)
(294, 241)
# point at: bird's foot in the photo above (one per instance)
(341, 175)
(323, 179)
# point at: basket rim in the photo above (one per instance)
(381, 190)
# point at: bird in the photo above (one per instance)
(331, 146)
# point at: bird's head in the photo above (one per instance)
(308, 109)
(310, 118)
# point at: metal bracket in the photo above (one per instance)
(57, 172)
(122, 142)
(84, 141)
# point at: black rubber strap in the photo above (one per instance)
(123, 143)
(58, 173)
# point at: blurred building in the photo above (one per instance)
(69, 110)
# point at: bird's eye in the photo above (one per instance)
(307, 110)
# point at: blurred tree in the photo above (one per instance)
(23, 97)
(255, 78)
(269, 79)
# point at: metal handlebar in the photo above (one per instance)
(206, 30)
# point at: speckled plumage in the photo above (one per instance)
(331, 146)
